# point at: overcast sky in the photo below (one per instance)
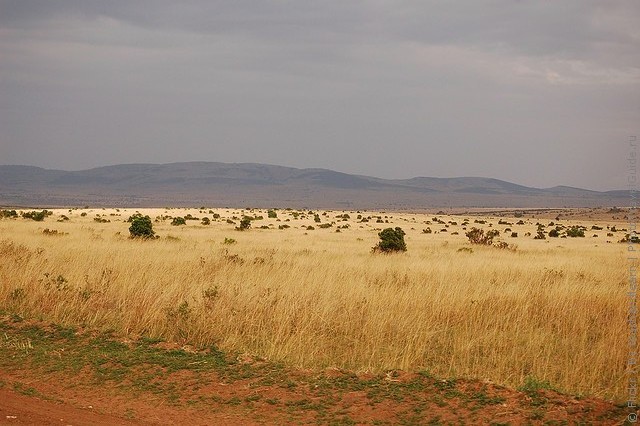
(540, 93)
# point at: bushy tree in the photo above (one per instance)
(391, 240)
(8, 213)
(37, 216)
(141, 227)
(575, 231)
(177, 221)
(477, 236)
(245, 224)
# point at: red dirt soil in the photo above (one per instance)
(62, 401)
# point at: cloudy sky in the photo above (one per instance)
(540, 93)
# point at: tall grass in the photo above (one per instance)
(554, 310)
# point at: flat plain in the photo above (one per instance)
(302, 290)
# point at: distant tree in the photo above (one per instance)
(37, 216)
(141, 227)
(391, 240)
(478, 236)
(177, 221)
(575, 231)
(245, 223)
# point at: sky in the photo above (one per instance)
(540, 93)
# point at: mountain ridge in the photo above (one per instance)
(217, 183)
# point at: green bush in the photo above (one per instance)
(391, 240)
(206, 221)
(477, 236)
(141, 227)
(554, 233)
(271, 214)
(37, 216)
(575, 231)
(628, 238)
(8, 213)
(177, 221)
(245, 224)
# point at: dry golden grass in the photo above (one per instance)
(554, 309)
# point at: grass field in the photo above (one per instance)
(553, 309)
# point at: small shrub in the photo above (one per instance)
(391, 240)
(177, 221)
(229, 241)
(575, 231)
(206, 221)
(502, 245)
(37, 216)
(427, 231)
(477, 236)
(310, 228)
(141, 227)
(271, 214)
(245, 224)
(554, 233)
(8, 214)
(48, 231)
(628, 238)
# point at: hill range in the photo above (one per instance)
(261, 185)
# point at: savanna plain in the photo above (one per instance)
(302, 293)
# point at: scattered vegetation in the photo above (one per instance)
(37, 216)
(8, 214)
(242, 295)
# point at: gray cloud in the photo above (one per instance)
(534, 92)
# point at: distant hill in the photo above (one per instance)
(263, 185)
